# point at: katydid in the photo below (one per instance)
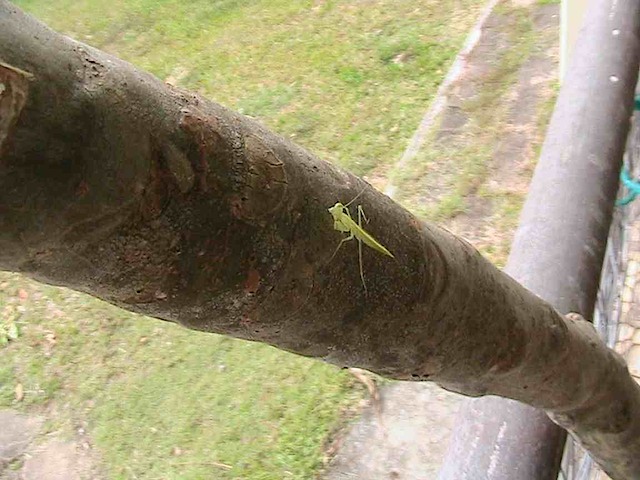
(343, 222)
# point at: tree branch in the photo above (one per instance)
(167, 204)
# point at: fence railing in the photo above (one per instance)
(576, 463)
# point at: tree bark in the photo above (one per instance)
(167, 204)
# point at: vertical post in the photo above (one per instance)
(560, 243)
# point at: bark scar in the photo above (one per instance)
(93, 71)
(14, 91)
(265, 183)
(239, 164)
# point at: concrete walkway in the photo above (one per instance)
(404, 439)
(27, 454)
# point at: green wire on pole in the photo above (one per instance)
(632, 185)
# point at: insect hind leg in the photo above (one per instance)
(360, 215)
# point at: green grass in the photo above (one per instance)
(150, 389)
(349, 80)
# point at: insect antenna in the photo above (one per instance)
(356, 197)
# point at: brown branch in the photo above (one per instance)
(167, 204)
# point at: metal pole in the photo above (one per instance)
(559, 246)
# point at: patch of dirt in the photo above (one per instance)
(513, 146)
(377, 179)
(16, 434)
(58, 460)
(493, 41)
(470, 224)
(439, 173)
(515, 155)
(454, 119)
(401, 440)
(26, 453)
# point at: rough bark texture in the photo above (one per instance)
(167, 204)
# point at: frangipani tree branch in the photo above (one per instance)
(167, 204)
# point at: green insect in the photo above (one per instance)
(343, 222)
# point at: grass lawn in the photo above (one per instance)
(350, 80)
(161, 401)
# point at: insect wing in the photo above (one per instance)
(346, 224)
(367, 238)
